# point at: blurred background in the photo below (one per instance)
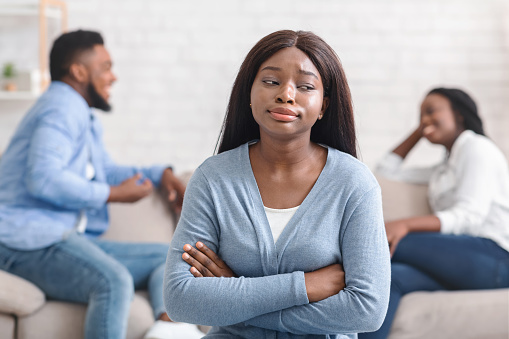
(176, 62)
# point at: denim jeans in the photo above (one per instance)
(434, 261)
(102, 274)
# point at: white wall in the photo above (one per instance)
(176, 62)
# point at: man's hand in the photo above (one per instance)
(130, 190)
(396, 230)
(205, 263)
(324, 282)
(174, 188)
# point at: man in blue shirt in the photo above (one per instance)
(56, 179)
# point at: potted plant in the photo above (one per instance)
(9, 73)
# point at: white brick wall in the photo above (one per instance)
(176, 62)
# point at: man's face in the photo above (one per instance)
(101, 77)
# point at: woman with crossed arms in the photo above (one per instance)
(295, 216)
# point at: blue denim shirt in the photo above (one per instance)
(43, 186)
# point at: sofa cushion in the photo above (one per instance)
(18, 296)
(453, 314)
(402, 200)
(62, 320)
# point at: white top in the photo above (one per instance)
(81, 223)
(468, 191)
(89, 171)
(278, 219)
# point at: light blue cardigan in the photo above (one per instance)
(340, 221)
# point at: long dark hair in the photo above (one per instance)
(336, 129)
(464, 105)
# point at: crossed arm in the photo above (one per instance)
(320, 284)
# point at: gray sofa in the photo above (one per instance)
(26, 314)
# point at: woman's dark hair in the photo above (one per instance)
(336, 129)
(464, 105)
(67, 47)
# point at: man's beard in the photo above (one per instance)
(96, 100)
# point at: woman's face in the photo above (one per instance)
(439, 123)
(287, 95)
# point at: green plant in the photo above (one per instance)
(9, 70)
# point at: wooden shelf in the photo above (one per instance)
(18, 95)
(51, 13)
(41, 10)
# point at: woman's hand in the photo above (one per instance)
(419, 130)
(324, 282)
(406, 146)
(396, 230)
(204, 262)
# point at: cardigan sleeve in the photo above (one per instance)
(361, 306)
(218, 301)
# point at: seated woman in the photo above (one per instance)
(286, 205)
(464, 244)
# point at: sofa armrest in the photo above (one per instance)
(19, 296)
